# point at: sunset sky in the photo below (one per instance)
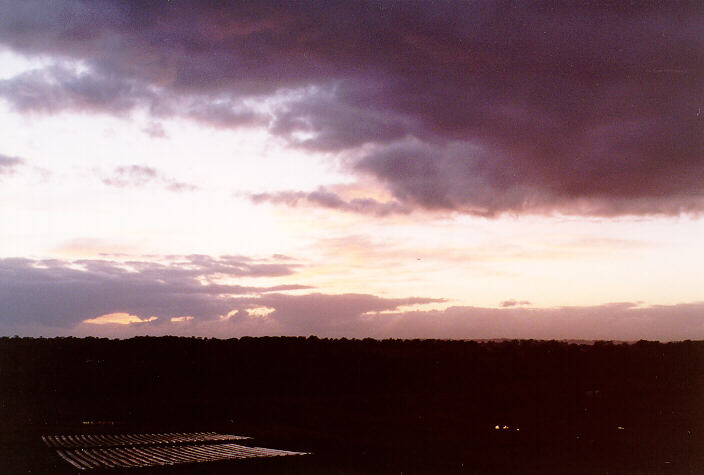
(341, 168)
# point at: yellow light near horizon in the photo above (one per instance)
(184, 318)
(119, 318)
(260, 311)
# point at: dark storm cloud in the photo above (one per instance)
(139, 175)
(328, 199)
(223, 114)
(57, 88)
(335, 124)
(479, 107)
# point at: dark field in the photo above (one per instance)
(365, 406)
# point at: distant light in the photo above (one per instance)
(505, 427)
(497, 427)
(517, 429)
(620, 428)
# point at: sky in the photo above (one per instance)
(378, 169)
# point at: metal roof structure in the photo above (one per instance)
(90, 451)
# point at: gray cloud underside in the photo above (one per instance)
(331, 200)
(8, 164)
(64, 293)
(53, 297)
(479, 107)
(140, 175)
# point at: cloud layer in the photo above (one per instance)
(140, 175)
(354, 316)
(477, 107)
(328, 199)
(63, 293)
(184, 297)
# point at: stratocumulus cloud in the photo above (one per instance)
(478, 107)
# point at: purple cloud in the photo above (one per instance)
(63, 293)
(139, 175)
(339, 315)
(617, 321)
(477, 107)
(57, 88)
(8, 165)
(327, 199)
(353, 316)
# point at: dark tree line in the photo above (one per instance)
(388, 404)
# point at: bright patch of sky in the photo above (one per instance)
(12, 64)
